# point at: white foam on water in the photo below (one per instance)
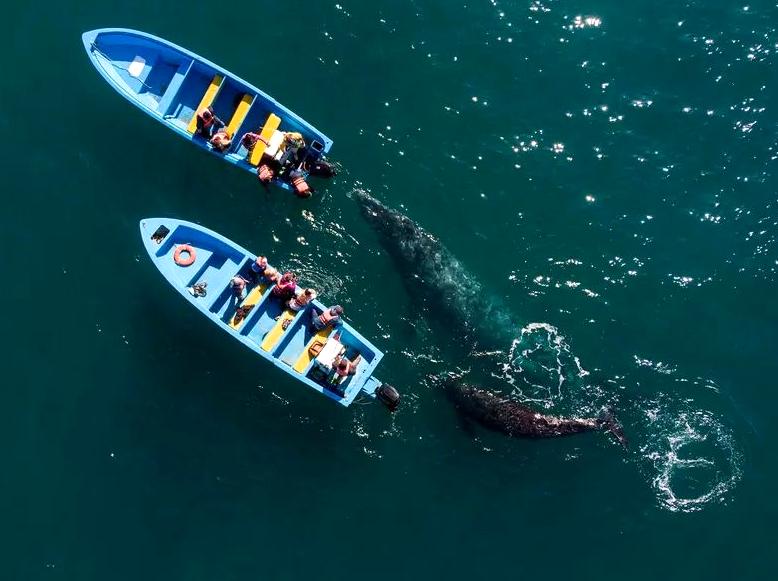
(541, 368)
(694, 457)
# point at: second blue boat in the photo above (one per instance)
(201, 264)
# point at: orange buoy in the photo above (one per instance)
(185, 260)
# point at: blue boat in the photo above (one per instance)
(171, 84)
(200, 264)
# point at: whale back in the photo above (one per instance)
(434, 275)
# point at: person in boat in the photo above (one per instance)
(331, 317)
(221, 140)
(271, 275)
(344, 367)
(265, 174)
(238, 284)
(208, 123)
(262, 272)
(301, 299)
(292, 145)
(259, 266)
(291, 152)
(299, 185)
(285, 287)
(249, 140)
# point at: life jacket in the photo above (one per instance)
(207, 122)
(301, 187)
(326, 317)
(264, 173)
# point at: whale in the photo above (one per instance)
(435, 277)
(505, 415)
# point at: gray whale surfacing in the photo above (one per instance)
(507, 416)
(432, 271)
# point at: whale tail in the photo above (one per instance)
(608, 422)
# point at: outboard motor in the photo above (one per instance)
(388, 396)
(321, 169)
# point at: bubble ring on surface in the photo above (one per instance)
(666, 453)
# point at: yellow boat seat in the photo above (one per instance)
(305, 357)
(274, 334)
(254, 296)
(240, 114)
(272, 123)
(206, 101)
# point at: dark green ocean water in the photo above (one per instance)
(604, 168)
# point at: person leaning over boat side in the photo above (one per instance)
(265, 175)
(298, 302)
(271, 275)
(207, 123)
(249, 140)
(262, 272)
(301, 187)
(285, 287)
(238, 284)
(258, 267)
(221, 140)
(329, 318)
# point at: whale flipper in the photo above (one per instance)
(610, 424)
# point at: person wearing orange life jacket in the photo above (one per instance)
(329, 318)
(207, 123)
(265, 174)
(300, 186)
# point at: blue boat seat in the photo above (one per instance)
(172, 89)
(217, 282)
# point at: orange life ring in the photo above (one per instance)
(190, 255)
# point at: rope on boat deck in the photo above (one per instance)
(106, 57)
